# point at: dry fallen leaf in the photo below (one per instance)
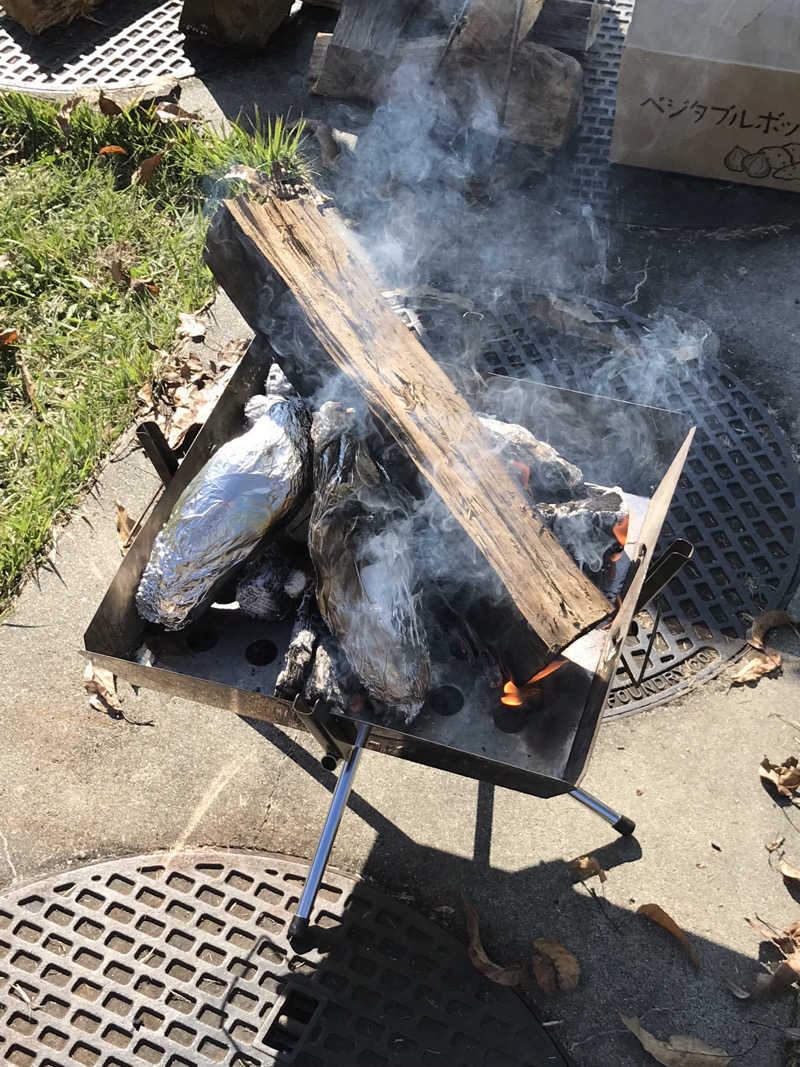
(587, 867)
(125, 527)
(65, 113)
(101, 685)
(784, 776)
(752, 669)
(190, 327)
(9, 337)
(658, 915)
(554, 967)
(112, 150)
(145, 395)
(143, 173)
(766, 622)
(170, 112)
(6, 261)
(788, 871)
(773, 846)
(792, 931)
(107, 105)
(477, 954)
(678, 1051)
(27, 381)
(144, 286)
(119, 272)
(193, 406)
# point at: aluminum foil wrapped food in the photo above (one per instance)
(364, 566)
(246, 488)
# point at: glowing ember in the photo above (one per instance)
(620, 530)
(514, 696)
(523, 472)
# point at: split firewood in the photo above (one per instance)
(252, 247)
(364, 39)
(36, 16)
(496, 26)
(569, 24)
(240, 23)
(364, 569)
(541, 106)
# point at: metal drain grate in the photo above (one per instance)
(738, 500)
(121, 45)
(182, 960)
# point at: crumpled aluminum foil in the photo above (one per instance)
(248, 485)
(364, 569)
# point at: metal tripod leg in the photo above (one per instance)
(621, 823)
(299, 924)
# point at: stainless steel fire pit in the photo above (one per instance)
(230, 661)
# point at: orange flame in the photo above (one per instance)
(620, 530)
(514, 696)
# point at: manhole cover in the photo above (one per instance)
(182, 960)
(738, 500)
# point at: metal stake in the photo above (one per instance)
(621, 823)
(299, 924)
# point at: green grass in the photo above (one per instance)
(65, 213)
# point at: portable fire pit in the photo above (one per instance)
(537, 739)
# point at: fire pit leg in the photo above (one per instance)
(621, 823)
(299, 924)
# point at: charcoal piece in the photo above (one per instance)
(271, 583)
(586, 528)
(543, 472)
(300, 653)
(248, 486)
(364, 567)
(331, 679)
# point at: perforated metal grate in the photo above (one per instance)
(738, 500)
(182, 960)
(120, 45)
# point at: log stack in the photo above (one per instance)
(533, 91)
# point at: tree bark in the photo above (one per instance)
(332, 282)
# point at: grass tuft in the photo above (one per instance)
(66, 213)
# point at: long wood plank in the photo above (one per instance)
(332, 281)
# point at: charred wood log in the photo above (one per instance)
(332, 282)
(589, 528)
(544, 473)
(272, 582)
(36, 16)
(364, 570)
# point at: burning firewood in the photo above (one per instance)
(591, 527)
(249, 485)
(256, 250)
(271, 583)
(364, 569)
(543, 472)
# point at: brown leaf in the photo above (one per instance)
(781, 979)
(107, 105)
(191, 327)
(587, 867)
(193, 406)
(554, 967)
(112, 150)
(773, 846)
(9, 337)
(101, 685)
(789, 872)
(170, 112)
(65, 113)
(125, 527)
(658, 915)
(145, 395)
(784, 776)
(678, 1051)
(144, 172)
(144, 286)
(752, 669)
(766, 622)
(477, 954)
(27, 381)
(792, 931)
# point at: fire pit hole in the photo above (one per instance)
(510, 720)
(445, 700)
(261, 652)
(202, 637)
